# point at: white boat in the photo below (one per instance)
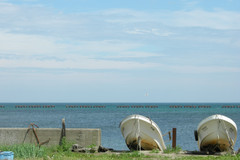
(141, 133)
(216, 133)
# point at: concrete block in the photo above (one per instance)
(82, 137)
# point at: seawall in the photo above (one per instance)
(52, 136)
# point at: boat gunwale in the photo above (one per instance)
(217, 117)
(143, 118)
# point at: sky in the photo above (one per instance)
(119, 51)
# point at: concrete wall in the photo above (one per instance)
(80, 136)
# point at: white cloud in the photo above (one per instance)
(23, 44)
(218, 19)
(77, 63)
(203, 69)
(46, 39)
(119, 49)
(35, 51)
(152, 31)
(106, 46)
(131, 54)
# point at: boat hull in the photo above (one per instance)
(141, 133)
(216, 133)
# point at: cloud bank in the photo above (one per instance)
(149, 48)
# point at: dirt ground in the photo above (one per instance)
(172, 155)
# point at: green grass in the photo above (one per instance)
(137, 156)
(25, 150)
(169, 149)
(211, 157)
(32, 152)
(155, 151)
(65, 147)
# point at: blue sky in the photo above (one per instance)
(116, 51)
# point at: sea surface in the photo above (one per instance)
(107, 116)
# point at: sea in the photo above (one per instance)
(185, 117)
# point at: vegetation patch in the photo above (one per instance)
(63, 152)
(169, 149)
(155, 151)
(26, 150)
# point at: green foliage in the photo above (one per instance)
(169, 149)
(126, 156)
(62, 151)
(25, 150)
(65, 146)
(32, 152)
(136, 154)
(92, 146)
(155, 151)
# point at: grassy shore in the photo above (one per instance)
(32, 152)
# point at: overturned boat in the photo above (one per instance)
(141, 133)
(216, 133)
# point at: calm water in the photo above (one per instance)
(108, 116)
